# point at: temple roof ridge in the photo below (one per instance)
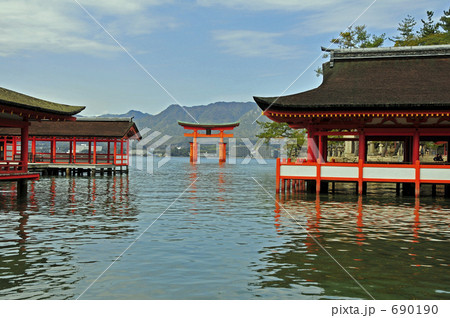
(388, 52)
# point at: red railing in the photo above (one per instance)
(79, 158)
(416, 173)
(8, 167)
(117, 151)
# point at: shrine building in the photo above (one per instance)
(87, 145)
(18, 111)
(371, 96)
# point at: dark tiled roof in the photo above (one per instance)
(413, 78)
(197, 125)
(83, 127)
(11, 98)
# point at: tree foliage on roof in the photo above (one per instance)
(358, 37)
(431, 32)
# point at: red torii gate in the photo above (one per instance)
(195, 127)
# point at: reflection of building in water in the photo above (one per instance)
(42, 237)
(28, 266)
(366, 238)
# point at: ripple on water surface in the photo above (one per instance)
(224, 237)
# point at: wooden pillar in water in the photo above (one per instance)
(193, 156)
(222, 152)
(22, 189)
(277, 186)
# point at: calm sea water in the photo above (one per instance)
(217, 235)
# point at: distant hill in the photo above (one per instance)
(220, 112)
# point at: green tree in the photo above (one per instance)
(357, 37)
(282, 130)
(445, 21)
(406, 29)
(429, 27)
(430, 33)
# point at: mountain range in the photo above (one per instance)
(166, 122)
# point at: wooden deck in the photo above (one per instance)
(67, 169)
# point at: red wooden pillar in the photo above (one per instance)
(14, 148)
(361, 161)
(33, 150)
(24, 147)
(191, 151)
(416, 160)
(222, 149)
(74, 150)
(115, 150)
(53, 150)
(277, 186)
(194, 148)
(362, 146)
(417, 179)
(222, 152)
(94, 155)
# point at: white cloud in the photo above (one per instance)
(62, 26)
(296, 5)
(324, 16)
(121, 6)
(247, 43)
(382, 15)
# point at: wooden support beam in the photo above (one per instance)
(24, 148)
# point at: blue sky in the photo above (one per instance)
(199, 51)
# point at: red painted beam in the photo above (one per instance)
(17, 176)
